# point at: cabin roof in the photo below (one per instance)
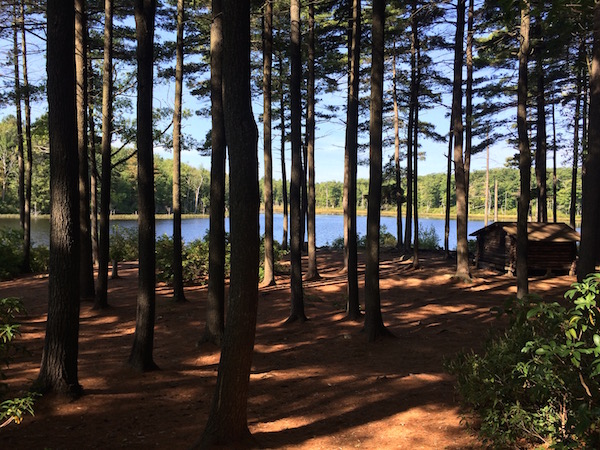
(536, 231)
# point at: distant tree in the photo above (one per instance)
(140, 357)
(524, 155)
(541, 144)
(269, 264)
(19, 117)
(462, 253)
(178, 292)
(350, 163)
(312, 272)
(374, 327)
(85, 261)
(58, 371)
(297, 300)
(28, 166)
(215, 306)
(227, 425)
(284, 188)
(101, 301)
(589, 253)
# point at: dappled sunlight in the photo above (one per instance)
(317, 384)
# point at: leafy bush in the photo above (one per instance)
(194, 259)
(539, 381)
(123, 244)
(337, 244)
(11, 252)
(386, 239)
(428, 238)
(11, 409)
(40, 258)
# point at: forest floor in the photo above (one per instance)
(316, 384)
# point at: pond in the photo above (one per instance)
(328, 227)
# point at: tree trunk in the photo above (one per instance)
(140, 357)
(269, 273)
(554, 177)
(312, 272)
(409, 151)
(215, 306)
(101, 301)
(374, 327)
(86, 267)
(448, 187)
(415, 101)
(350, 163)
(589, 253)
(26, 267)
(58, 371)
(573, 198)
(462, 253)
(469, 108)
(397, 173)
(284, 240)
(21, 148)
(524, 155)
(93, 168)
(297, 307)
(227, 425)
(541, 144)
(178, 291)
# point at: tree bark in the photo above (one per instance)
(26, 265)
(215, 306)
(297, 299)
(178, 291)
(93, 167)
(524, 155)
(58, 371)
(589, 253)
(469, 107)
(576, 157)
(269, 263)
(462, 253)
(86, 275)
(312, 273)
(21, 147)
(350, 164)
(374, 327)
(227, 425)
(541, 144)
(284, 189)
(101, 301)
(415, 101)
(397, 172)
(448, 187)
(140, 357)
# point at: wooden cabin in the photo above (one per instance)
(552, 247)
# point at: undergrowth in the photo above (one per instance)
(538, 382)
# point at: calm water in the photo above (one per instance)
(329, 227)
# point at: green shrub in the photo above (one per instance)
(539, 381)
(11, 252)
(11, 409)
(123, 244)
(40, 258)
(428, 238)
(337, 244)
(194, 259)
(386, 239)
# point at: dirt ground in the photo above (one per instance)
(317, 384)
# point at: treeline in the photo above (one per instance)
(195, 184)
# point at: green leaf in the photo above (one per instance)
(596, 339)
